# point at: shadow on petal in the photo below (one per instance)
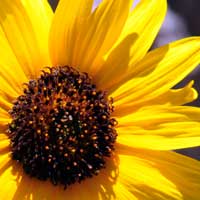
(115, 69)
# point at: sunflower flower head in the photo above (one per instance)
(86, 106)
(61, 127)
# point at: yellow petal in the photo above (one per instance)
(69, 18)
(6, 98)
(85, 37)
(160, 128)
(4, 119)
(4, 144)
(152, 175)
(25, 24)
(174, 97)
(3, 136)
(159, 71)
(4, 160)
(179, 96)
(10, 70)
(159, 142)
(4, 114)
(5, 104)
(102, 30)
(135, 40)
(12, 75)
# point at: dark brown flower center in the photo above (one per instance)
(62, 127)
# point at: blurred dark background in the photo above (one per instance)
(53, 3)
(182, 20)
(190, 11)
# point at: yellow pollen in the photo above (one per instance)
(94, 137)
(115, 123)
(94, 93)
(73, 150)
(36, 156)
(58, 125)
(86, 131)
(101, 105)
(66, 154)
(61, 142)
(46, 147)
(104, 117)
(106, 137)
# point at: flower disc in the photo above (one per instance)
(61, 127)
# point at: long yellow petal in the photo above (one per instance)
(84, 37)
(137, 37)
(3, 136)
(7, 95)
(160, 128)
(5, 104)
(159, 71)
(152, 175)
(25, 24)
(4, 145)
(4, 119)
(102, 30)
(176, 97)
(69, 17)
(12, 75)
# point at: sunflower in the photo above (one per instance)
(86, 112)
